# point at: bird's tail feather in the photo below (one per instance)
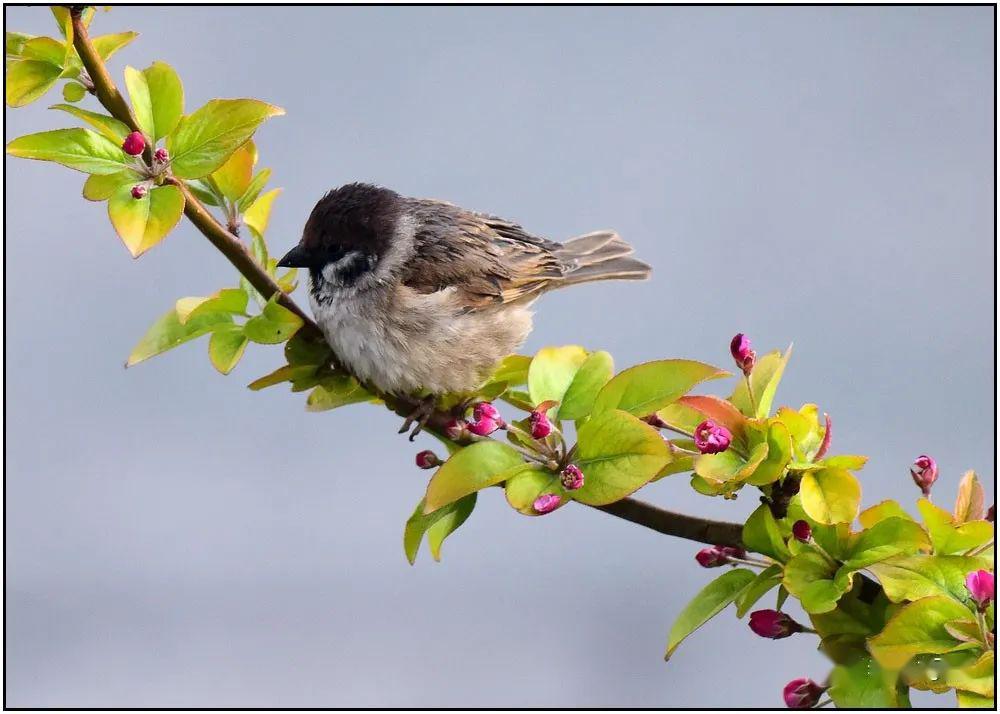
(601, 255)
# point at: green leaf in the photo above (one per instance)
(728, 466)
(168, 332)
(592, 375)
(618, 454)
(258, 215)
(253, 190)
(14, 43)
(977, 677)
(226, 347)
(203, 140)
(949, 538)
(766, 580)
(420, 523)
(887, 538)
(45, 49)
(475, 467)
(552, 371)
(107, 45)
(275, 324)
(968, 700)
(231, 300)
(233, 177)
(708, 603)
(100, 187)
(336, 391)
(286, 373)
(449, 523)
(646, 388)
(762, 535)
(203, 193)
(79, 149)
(779, 453)
(166, 97)
(109, 127)
(73, 92)
(764, 379)
(27, 80)
(528, 483)
(305, 348)
(811, 577)
(863, 685)
(830, 495)
(880, 511)
(65, 22)
(918, 628)
(142, 103)
(143, 222)
(912, 577)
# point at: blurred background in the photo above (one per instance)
(822, 175)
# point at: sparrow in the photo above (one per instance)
(420, 297)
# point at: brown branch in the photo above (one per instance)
(676, 524)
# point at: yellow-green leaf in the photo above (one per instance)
(811, 577)
(143, 222)
(522, 487)
(336, 391)
(552, 371)
(226, 347)
(762, 535)
(166, 97)
(27, 80)
(142, 104)
(232, 300)
(880, 511)
(970, 500)
(646, 388)
(73, 92)
(100, 187)
(45, 49)
(830, 495)
(764, 379)
(203, 140)
(258, 215)
(728, 466)
(107, 45)
(108, 126)
(918, 628)
(912, 577)
(253, 190)
(79, 149)
(449, 518)
(618, 454)
(475, 467)
(779, 453)
(275, 324)
(168, 332)
(448, 523)
(233, 177)
(949, 538)
(593, 374)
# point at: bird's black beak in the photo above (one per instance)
(297, 257)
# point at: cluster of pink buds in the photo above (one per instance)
(539, 424)
(802, 693)
(718, 555)
(161, 156)
(427, 459)
(773, 624)
(139, 191)
(546, 503)
(134, 143)
(743, 355)
(982, 587)
(572, 477)
(485, 420)
(712, 438)
(924, 472)
(802, 531)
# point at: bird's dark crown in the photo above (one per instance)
(356, 220)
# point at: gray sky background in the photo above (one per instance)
(822, 175)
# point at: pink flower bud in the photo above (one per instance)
(743, 355)
(161, 156)
(487, 410)
(710, 557)
(428, 459)
(572, 477)
(540, 425)
(802, 531)
(711, 438)
(546, 503)
(773, 624)
(991, 513)
(134, 143)
(455, 429)
(138, 191)
(483, 426)
(924, 472)
(802, 693)
(982, 586)
(718, 555)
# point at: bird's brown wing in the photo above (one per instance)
(487, 260)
